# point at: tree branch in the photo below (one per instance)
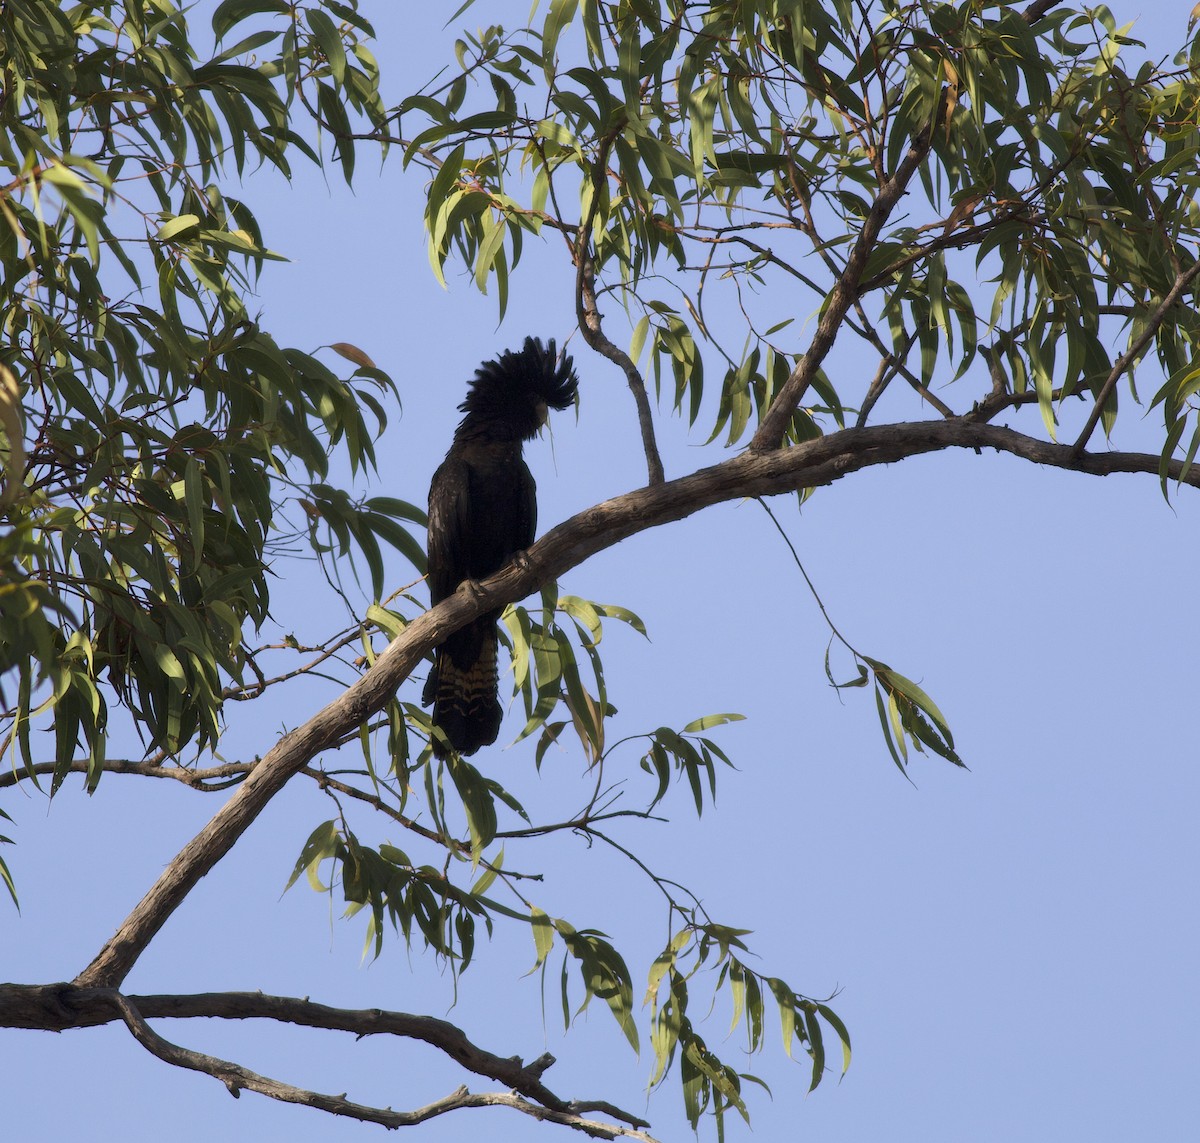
(207, 778)
(849, 286)
(58, 1007)
(1123, 363)
(806, 465)
(843, 295)
(590, 326)
(591, 321)
(1037, 10)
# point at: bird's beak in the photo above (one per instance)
(543, 413)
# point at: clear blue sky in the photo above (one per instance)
(1014, 948)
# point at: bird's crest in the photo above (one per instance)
(509, 390)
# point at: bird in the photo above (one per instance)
(482, 513)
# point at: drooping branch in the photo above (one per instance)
(805, 465)
(58, 1007)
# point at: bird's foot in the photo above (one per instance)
(471, 587)
(523, 561)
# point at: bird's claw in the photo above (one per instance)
(471, 587)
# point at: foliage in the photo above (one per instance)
(164, 446)
(700, 151)
(986, 198)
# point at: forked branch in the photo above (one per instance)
(57, 1007)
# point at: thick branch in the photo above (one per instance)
(806, 465)
(1038, 9)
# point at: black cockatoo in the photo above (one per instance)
(482, 511)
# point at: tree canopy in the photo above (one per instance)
(994, 204)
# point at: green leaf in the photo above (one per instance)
(478, 803)
(785, 999)
(560, 16)
(327, 35)
(711, 720)
(605, 975)
(9, 884)
(543, 935)
(195, 501)
(229, 13)
(322, 844)
(816, 1045)
(184, 225)
(832, 1019)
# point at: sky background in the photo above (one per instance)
(1013, 948)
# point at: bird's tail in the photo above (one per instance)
(464, 689)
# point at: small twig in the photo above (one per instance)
(663, 884)
(455, 845)
(999, 398)
(879, 382)
(590, 325)
(812, 588)
(583, 823)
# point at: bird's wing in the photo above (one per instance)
(526, 509)
(449, 527)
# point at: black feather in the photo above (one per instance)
(482, 511)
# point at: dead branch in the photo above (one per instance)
(59, 1007)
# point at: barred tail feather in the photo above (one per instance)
(464, 693)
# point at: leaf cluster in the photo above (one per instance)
(160, 450)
